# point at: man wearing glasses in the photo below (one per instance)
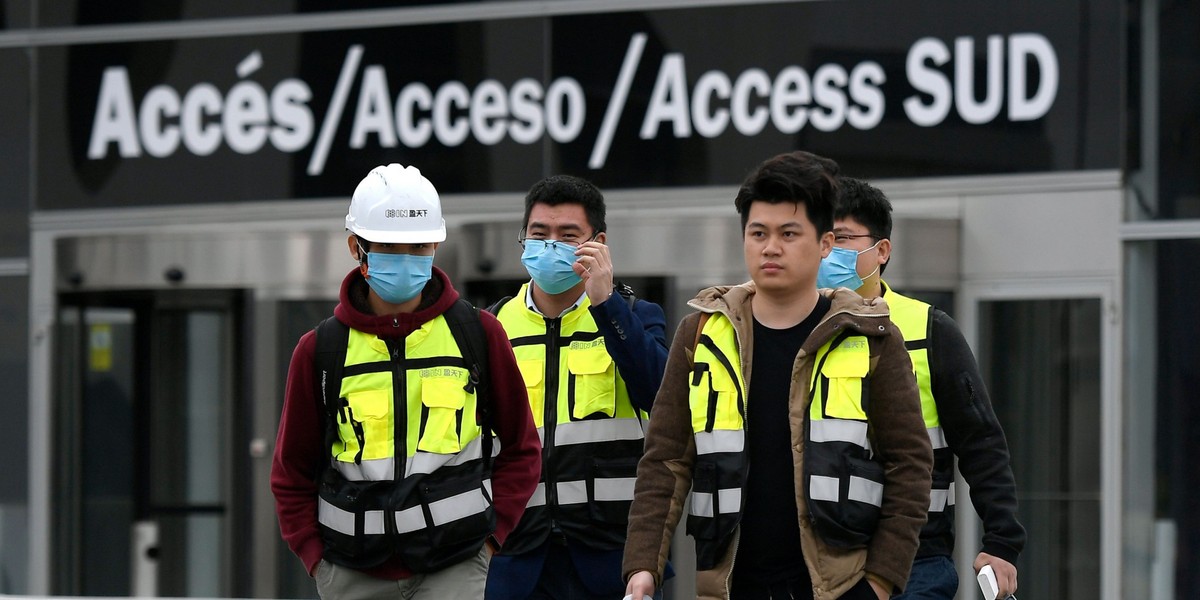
(954, 402)
(592, 358)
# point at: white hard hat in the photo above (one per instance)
(394, 204)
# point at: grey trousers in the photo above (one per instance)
(463, 580)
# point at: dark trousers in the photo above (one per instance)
(932, 578)
(560, 581)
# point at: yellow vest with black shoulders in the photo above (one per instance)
(913, 318)
(406, 473)
(591, 434)
(843, 485)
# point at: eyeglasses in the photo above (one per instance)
(550, 244)
(846, 237)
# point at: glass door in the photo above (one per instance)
(148, 399)
(1041, 360)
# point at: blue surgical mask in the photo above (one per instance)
(398, 278)
(840, 269)
(550, 265)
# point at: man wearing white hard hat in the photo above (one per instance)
(406, 451)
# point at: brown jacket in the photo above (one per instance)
(896, 430)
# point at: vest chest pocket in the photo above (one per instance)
(364, 426)
(532, 372)
(592, 382)
(713, 398)
(846, 369)
(442, 399)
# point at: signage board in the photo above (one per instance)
(672, 97)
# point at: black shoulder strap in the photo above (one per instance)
(497, 305)
(328, 362)
(467, 329)
(626, 292)
(330, 358)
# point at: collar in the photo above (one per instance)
(533, 307)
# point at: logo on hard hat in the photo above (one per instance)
(400, 213)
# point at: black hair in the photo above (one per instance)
(797, 177)
(866, 204)
(568, 189)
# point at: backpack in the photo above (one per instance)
(468, 332)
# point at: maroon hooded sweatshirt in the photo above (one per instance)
(300, 455)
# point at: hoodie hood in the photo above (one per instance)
(355, 312)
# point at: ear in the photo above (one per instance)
(602, 237)
(352, 243)
(885, 251)
(826, 243)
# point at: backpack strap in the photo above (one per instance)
(329, 361)
(497, 305)
(626, 292)
(467, 329)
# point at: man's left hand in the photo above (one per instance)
(594, 266)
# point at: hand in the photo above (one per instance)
(881, 593)
(640, 584)
(594, 266)
(1006, 573)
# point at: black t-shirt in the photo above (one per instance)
(769, 545)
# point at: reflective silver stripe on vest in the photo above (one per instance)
(453, 508)
(824, 488)
(940, 499)
(572, 492)
(428, 462)
(539, 496)
(937, 437)
(383, 469)
(866, 491)
(599, 430)
(458, 507)
(614, 489)
(342, 521)
(862, 490)
(722, 440)
(702, 502)
(410, 519)
(378, 469)
(839, 430)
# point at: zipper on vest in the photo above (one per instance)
(550, 420)
(399, 408)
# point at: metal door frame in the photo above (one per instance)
(150, 308)
(1108, 291)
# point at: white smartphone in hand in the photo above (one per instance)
(988, 585)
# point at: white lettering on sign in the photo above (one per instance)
(928, 55)
(753, 100)
(251, 115)
(245, 118)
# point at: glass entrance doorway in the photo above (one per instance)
(1042, 362)
(147, 490)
